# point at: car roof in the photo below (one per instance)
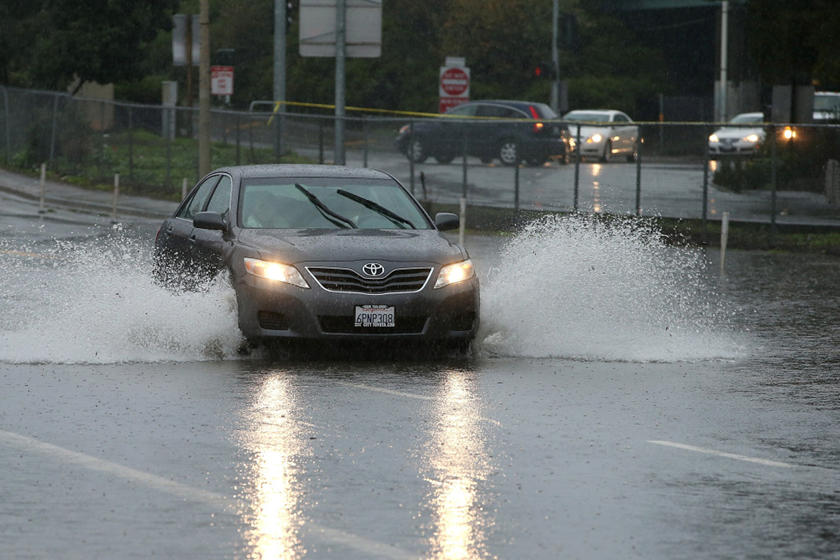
(304, 170)
(602, 111)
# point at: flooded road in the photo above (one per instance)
(624, 400)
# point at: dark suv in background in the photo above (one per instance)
(512, 131)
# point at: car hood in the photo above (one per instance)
(738, 132)
(321, 245)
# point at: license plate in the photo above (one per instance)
(373, 316)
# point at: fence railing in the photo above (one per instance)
(759, 173)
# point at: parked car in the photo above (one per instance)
(606, 133)
(742, 139)
(322, 252)
(512, 131)
(826, 106)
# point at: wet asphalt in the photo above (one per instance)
(478, 456)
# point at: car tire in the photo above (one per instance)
(445, 157)
(417, 151)
(605, 157)
(509, 152)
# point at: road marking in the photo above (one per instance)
(186, 492)
(735, 456)
(407, 396)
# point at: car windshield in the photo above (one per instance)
(327, 203)
(587, 117)
(748, 118)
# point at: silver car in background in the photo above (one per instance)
(604, 133)
(743, 138)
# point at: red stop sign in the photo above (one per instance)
(454, 81)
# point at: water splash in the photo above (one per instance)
(93, 300)
(582, 288)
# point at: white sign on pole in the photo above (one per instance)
(363, 34)
(179, 39)
(221, 80)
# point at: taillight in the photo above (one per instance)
(537, 126)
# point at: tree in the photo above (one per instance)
(795, 43)
(95, 40)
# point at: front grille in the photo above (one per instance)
(346, 280)
(344, 324)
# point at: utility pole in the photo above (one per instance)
(204, 91)
(279, 70)
(724, 54)
(555, 59)
(340, 55)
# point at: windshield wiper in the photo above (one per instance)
(333, 217)
(378, 208)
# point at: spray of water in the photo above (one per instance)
(583, 288)
(93, 301)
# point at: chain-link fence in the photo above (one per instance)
(755, 172)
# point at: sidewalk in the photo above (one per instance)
(63, 195)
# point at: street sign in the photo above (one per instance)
(363, 28)
(221, 80)
(454, 87)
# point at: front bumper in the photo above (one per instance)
(273, 310)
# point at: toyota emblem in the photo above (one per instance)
(373, 269)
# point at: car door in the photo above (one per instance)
(209, 245)
(174, 241)
(455, 126)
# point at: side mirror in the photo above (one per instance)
(210, 220)
(446, 221)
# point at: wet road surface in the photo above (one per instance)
(122, 436)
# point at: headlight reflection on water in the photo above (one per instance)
(276, 494)
(458, 461)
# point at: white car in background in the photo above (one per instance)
(604, 133)
(743, 139)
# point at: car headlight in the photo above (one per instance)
(714, 138)
(594, 139)
(454, 273)
(278, 272)
(752, 139)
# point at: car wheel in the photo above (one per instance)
(445, 157)
(607, 152)
(417, 151)
(509, 152)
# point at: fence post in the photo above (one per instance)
(130, 147)
(773, 184)
(6, 123)
(238, 120)
(169, 156)
(705, 182)
(43, 188)
(638, 148)
(410, 153)
(365, 135)
(577, 168)
(54, 125)
(516, 189)
(320, 141)
(116, 197)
